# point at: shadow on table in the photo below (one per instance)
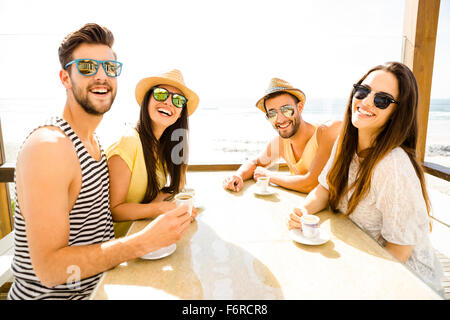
(272, 198)
(327, 249)
(341, 228)
(204, 266)
(344, 229)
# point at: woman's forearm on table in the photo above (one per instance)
(301, 183)
(317, 200)
(136, 211)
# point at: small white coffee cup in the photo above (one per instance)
(310, 225)
(185, 198)
(263, 183)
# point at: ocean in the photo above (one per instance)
(229, 132)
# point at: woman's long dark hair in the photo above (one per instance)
(163, 150)
(400, 130)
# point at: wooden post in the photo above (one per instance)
(419, 31)
(5, 202)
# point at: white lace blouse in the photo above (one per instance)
(394, 210)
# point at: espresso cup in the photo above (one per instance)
(310, 225)
(263, 183)
(185, 198)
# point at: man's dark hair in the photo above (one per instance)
(91, 33)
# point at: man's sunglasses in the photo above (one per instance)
(380, 100)
(89, 67)
(161, 94)
(287, 111)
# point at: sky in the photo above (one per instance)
(227, 50)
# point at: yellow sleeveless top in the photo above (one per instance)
(129, 148)
(304, 163)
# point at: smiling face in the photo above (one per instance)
(95, 94)
(365, 116)
(286, 126)
(163, 113)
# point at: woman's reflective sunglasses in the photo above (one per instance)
(380, 100)
(89, 67)
(287, 111)
(161, 94)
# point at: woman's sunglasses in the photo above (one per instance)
(287, 111)
(89, 67)
(161, 94)
(380, 100)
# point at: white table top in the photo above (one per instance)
(239, 248)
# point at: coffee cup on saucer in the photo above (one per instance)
(263, 184)
(185, 198)
(310, 225)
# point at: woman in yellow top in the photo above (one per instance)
(141, 162)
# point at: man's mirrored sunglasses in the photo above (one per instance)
(287, 111)
(89, 67)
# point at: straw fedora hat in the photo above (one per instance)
(277, 85)
(172, 78)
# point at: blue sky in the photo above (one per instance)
(227, 50)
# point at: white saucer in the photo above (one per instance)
(297, 235)
(270, 191)
(160, 253)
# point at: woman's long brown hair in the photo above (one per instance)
(399, 131)
(162, 150)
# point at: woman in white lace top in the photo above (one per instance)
(373, 176)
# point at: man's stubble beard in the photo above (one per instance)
(86, 104)
(296, 126)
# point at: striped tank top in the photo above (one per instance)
(90, 223)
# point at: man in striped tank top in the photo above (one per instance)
(64, 237)
(304, 146)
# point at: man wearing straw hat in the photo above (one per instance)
(304, 146)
